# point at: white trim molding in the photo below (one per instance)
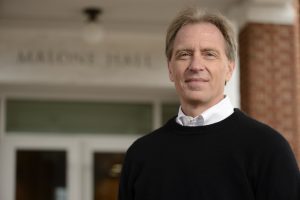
(263, 11)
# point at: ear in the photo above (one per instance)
(171, 74)
(230, 69)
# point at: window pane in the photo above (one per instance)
(78, 117)
(41, 175)
(107, 168)
(169, 111)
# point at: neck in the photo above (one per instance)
(195, 109)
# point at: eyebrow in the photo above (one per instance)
(202, 50)
(210, 50)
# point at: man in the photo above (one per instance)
(210, 151)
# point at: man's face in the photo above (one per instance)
(199, 66)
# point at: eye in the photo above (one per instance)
(210, 55)
(183, 55)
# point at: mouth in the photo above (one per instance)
(196, 80)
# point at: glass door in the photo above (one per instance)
(103, 159)
(106, 173)
(41, 174)
(62, 168)
(36, 168)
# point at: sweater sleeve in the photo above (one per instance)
(125, 185)
(278, 176)
(129, 173)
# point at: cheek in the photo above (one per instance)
(177, 73)
(220, 77)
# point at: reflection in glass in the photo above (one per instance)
(107, 168)
(41, 175)
(41, 116)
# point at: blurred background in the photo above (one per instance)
(80, 80)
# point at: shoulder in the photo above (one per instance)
(259, 132)
(249, 124)
(148, 142)
(263, 142)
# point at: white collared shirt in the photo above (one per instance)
(214, 114)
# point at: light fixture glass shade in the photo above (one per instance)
(93, 32)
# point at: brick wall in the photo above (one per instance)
(297, 72)
(269, 77)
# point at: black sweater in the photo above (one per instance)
(235, 159)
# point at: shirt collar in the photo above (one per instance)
(212, 115)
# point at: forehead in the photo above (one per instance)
(199, 34)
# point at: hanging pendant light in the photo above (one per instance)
(93, 29)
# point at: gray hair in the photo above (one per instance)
(197, 15)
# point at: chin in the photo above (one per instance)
(196, 98)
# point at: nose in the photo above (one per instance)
(196, 63)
